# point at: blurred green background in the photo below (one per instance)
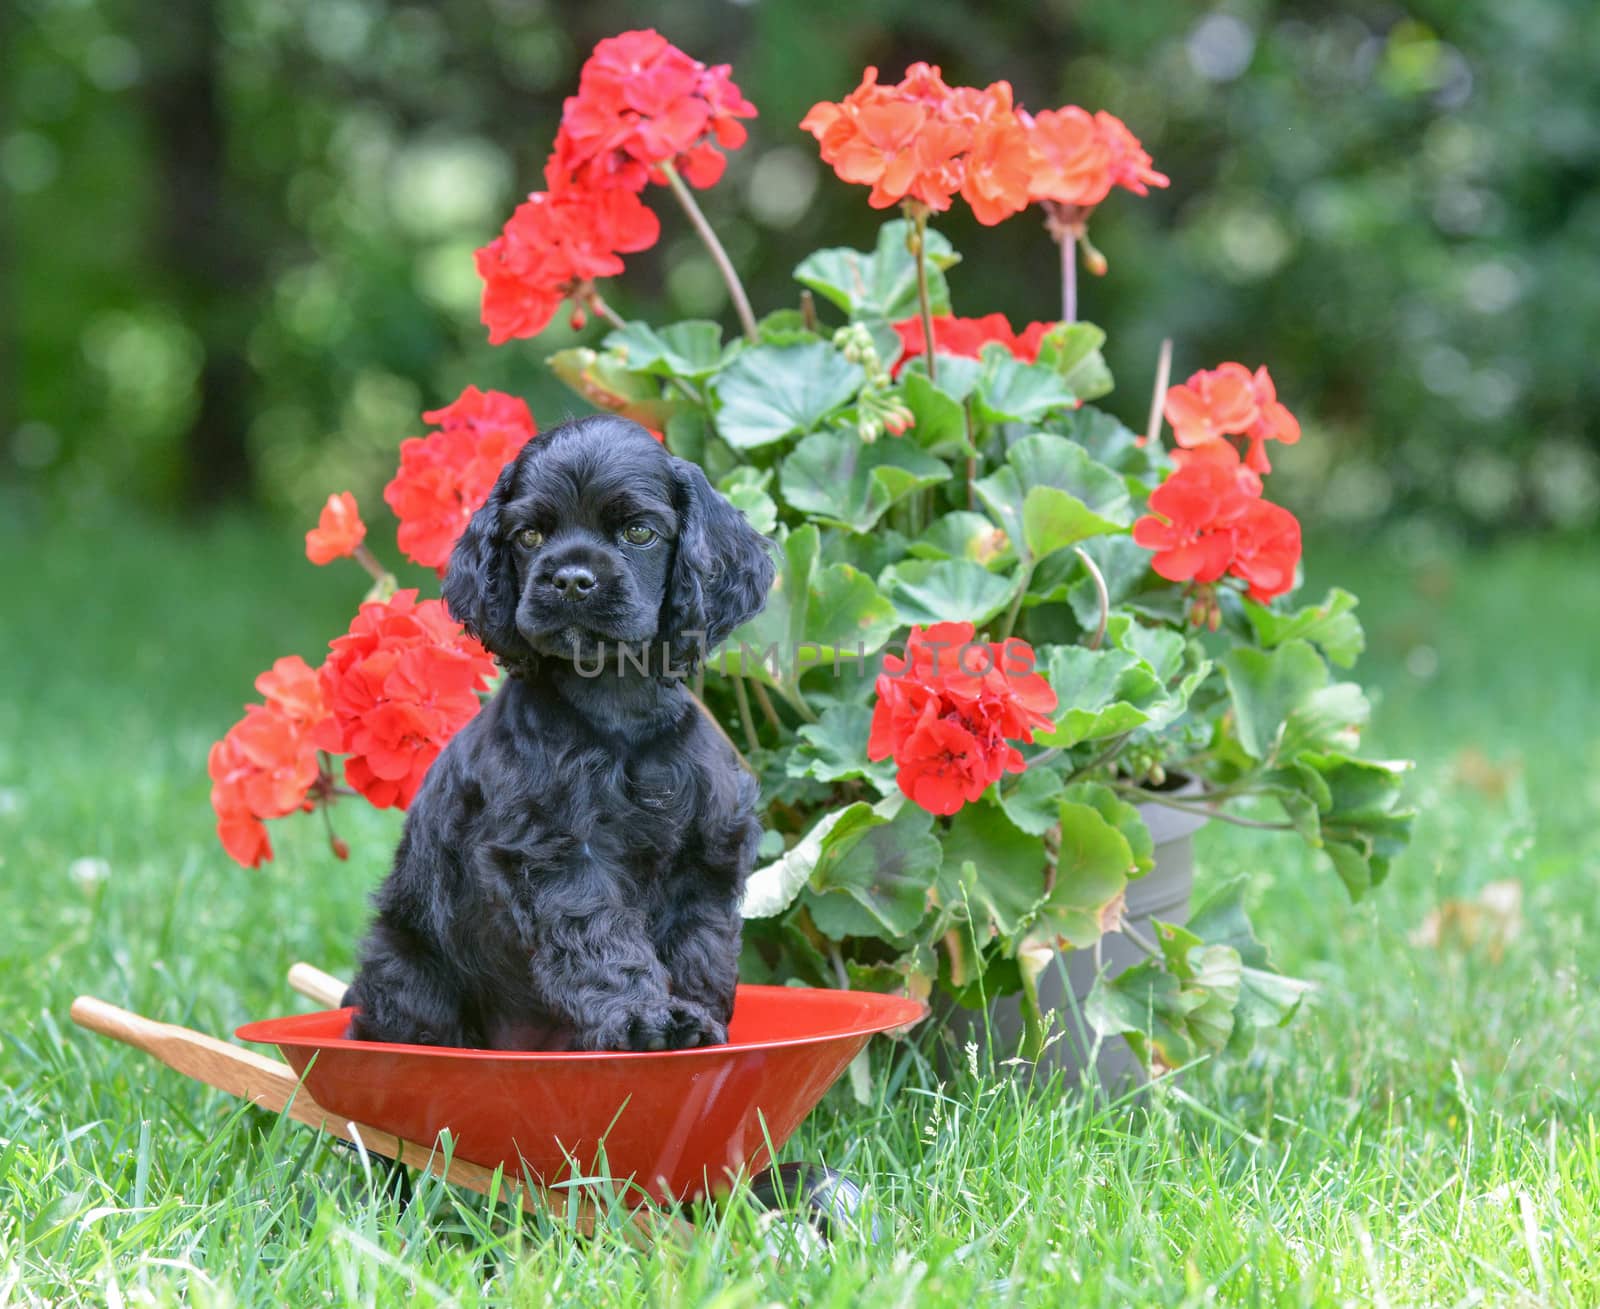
(237, 234)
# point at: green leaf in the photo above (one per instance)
(1092, 869)
(834, 748)
(1121, 815)
(945, 590)
(1009, 866)
(1266, 997)
(1108, 441)
(1171, 1021)
(963, 534)
(1077, 498)
(882, 284)
(1363, 828)
(958, 375)
(822, 607)
(941, 421)
(1009, 390)
(771, 889)
(887, 872)
(1032, 801)
(835, 478)
(1099, 693)
(771, 392)
(691, 349)
(1331, 625)
(745, 488)
(1267, 688)
(1073, 351)
(785, 327)
(1052, 520)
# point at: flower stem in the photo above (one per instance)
(746, 718)
(1101, 594)
(796, 701)
(764, 702)
(1069, 278)
(1144, 796)
(972, 457)
(1152, 429)
(1016, 605)
(601, 309)
(719, 256)
(919, 216)
(369, 561)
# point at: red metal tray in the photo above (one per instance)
(677, 1123)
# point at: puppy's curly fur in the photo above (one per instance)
(571, 869)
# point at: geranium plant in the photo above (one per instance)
(1003, 620)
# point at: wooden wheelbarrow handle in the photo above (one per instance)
(272, 1085)
(314, 984)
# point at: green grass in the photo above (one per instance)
(1425, 1133)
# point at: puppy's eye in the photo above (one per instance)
(529, 537)
(638, 534)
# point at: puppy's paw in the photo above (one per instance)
(670, 1024)
(693, 1024)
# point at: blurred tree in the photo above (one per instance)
(241, 232)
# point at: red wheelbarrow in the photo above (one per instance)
(672, 1125)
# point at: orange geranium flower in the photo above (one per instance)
(1212, 404)
(1230, 400)
(925, 141)
(1074, 160)
(338, 532)
(1000, 160)
(1081, 156)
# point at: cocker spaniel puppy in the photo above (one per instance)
(570, 872)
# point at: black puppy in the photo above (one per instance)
(571, 869)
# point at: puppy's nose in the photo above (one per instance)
(574, 581)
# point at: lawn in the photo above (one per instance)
(1424, 1133)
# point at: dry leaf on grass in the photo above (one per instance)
(1484, 775)
(1490, 922)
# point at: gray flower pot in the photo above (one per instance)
(1065, 984)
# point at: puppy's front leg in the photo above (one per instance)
(593, 964)
(699, 944)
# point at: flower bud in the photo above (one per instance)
(340, 849)
(578, 319)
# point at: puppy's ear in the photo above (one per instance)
(480, 585)
(721, 573)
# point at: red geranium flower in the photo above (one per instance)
(446, 476)
(1216, 524)
(1224, 456)
(925, 141)
(1200, 502)
(399, 685)
(338, 532)
(942, 765)
(641, 103)
(554, 243)
(262, 768)
(948, 711)
(292, 688)
(966, 337)
(1266, 549)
